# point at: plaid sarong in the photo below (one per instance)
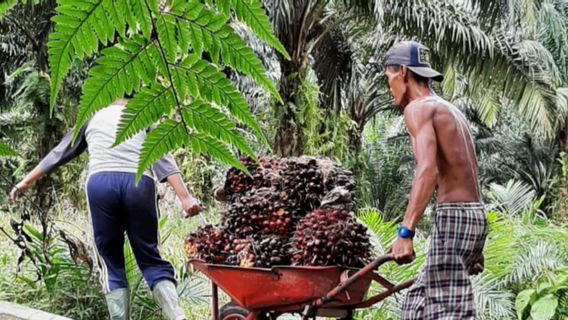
(443, 290)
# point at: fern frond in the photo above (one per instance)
(167, 136)
(209, 146)
(166, 27)
(138, 16)
(79, 27)
(170, 135)
(251, 13)
(207, 119)
(143, 110)
(208, 31)
(121, 69)
(204, 81)
(6, 151)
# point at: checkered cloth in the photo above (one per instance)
(443, 290)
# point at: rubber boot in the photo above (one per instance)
(166, 297)
(117, 303)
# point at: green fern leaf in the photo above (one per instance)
(167, 136)
(146, 108)
(206, 30)
(138, 16)
(253, 15)
(205, 82)
(121, 69)
(171, 135)
(6, 151)
(209, 146)
(204, 118)
(79, 26)
(115, 15)
(166, 27)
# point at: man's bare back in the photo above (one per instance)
(455, 154)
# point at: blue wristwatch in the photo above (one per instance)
(404, 232)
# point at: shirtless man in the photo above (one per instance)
(445, 157)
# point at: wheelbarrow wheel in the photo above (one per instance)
(349, 316)
(231, 311)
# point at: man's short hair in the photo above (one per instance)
(418, 78)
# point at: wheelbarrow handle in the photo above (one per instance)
(352, 279)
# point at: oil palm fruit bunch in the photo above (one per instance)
(262, 210)
(208, 243)
(330, 237)
(270, 250)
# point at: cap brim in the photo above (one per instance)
(427, 73)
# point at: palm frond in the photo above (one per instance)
(512, 198)
(492, 59)
(491, 301)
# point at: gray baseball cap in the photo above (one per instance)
(415, 57)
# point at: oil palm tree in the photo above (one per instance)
(486, 43)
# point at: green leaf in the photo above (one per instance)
(206, 119)
(34, 233)
(146, 108)
(120, 70)
(209, 31)
(79, 27)
(170, 135)
(544, 308)
(6, 151)
(167, 136)
(523, 300)
(253, 15)
(166, 27)
(138, 16)
(543, 288)
(206, 82)
(5, 6)
(207, 145)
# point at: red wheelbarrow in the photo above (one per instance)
(265, 294)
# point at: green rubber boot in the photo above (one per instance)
(166, 297)
(117, 303)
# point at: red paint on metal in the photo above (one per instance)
(258, 288)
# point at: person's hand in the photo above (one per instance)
(478, 266)
(191, 207)
(402, 251)
(19, 189)
(220, 195)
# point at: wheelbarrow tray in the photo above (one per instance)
(257, 288)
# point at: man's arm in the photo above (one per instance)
(166, 169)
(64, 152)
(419, 121)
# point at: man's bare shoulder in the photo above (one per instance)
(418, 112)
